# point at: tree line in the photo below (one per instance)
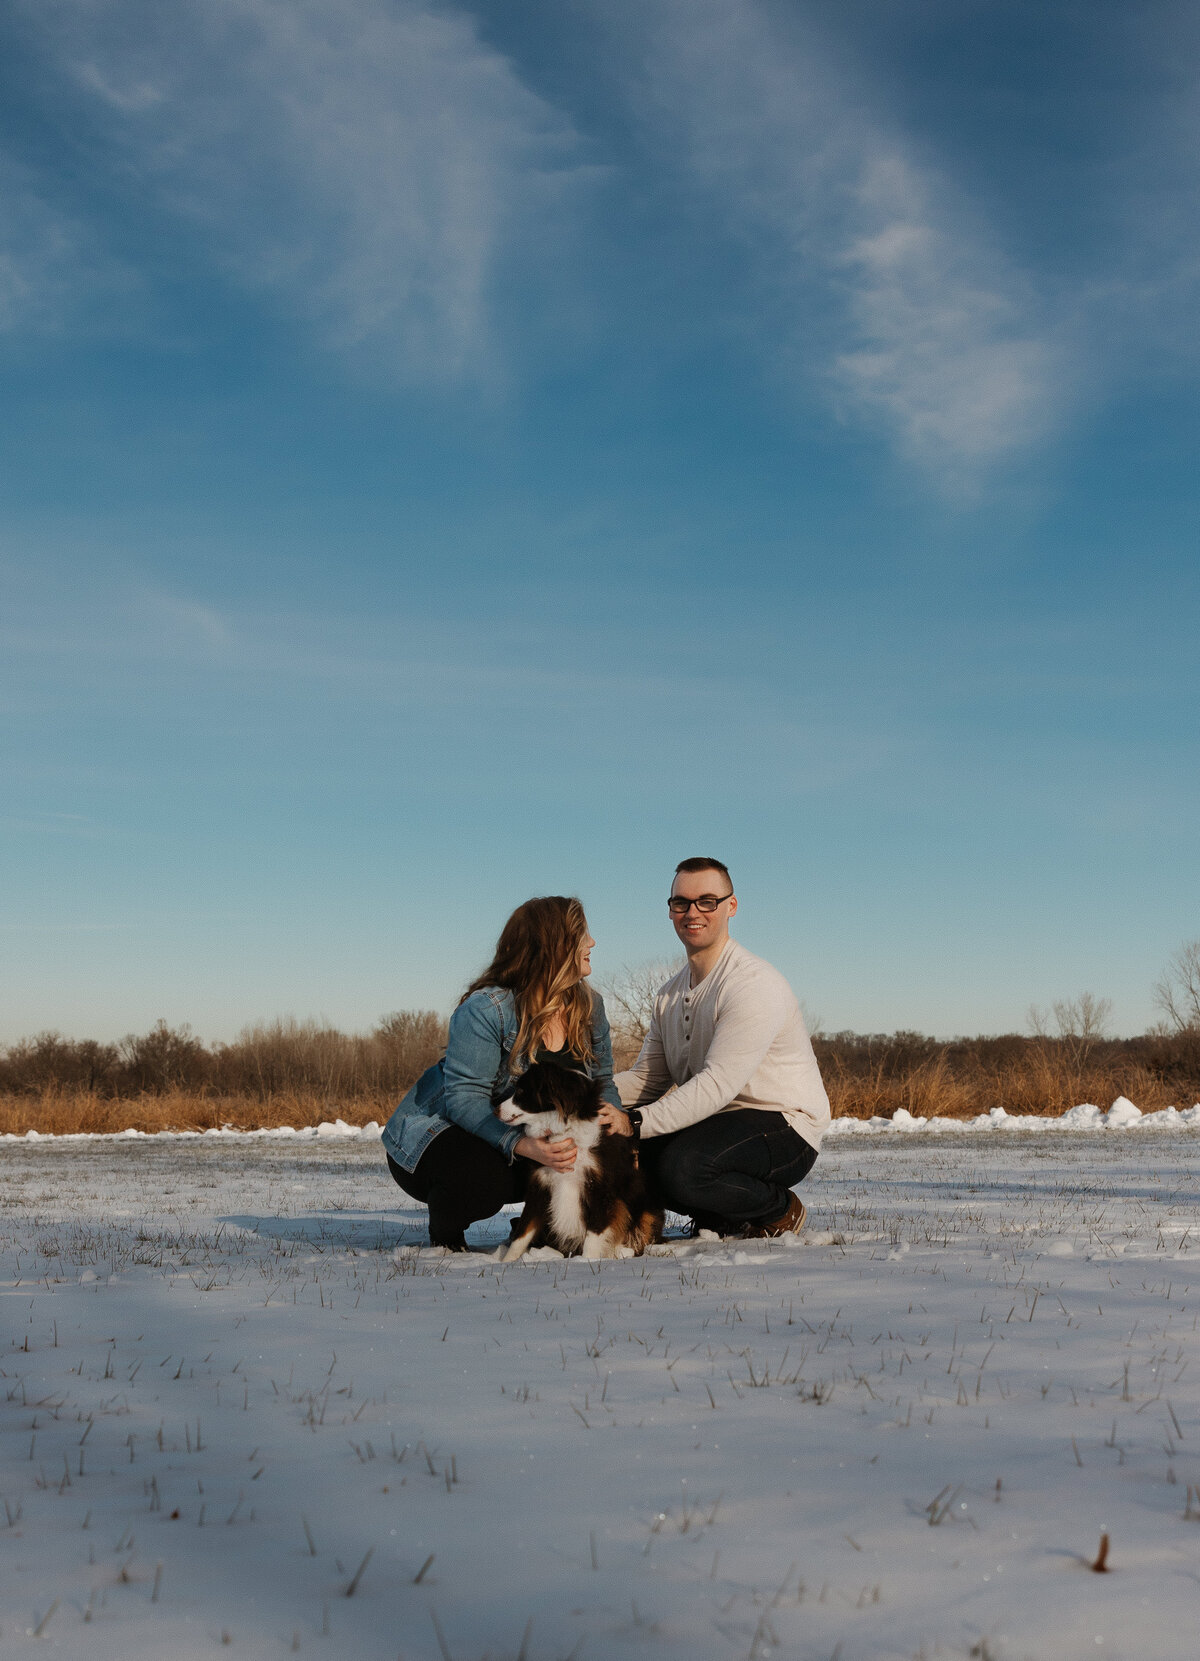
(267, 1060)
(1068, 1056)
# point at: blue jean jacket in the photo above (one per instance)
(464, 1088)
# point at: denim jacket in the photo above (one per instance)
(465, 1087)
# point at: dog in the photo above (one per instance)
(598, 1209)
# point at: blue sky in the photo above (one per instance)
(451, 453)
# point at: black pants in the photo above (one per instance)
(462, 1179)
(732, 1168)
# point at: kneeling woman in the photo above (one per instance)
(445, 1144)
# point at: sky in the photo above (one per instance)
(450, 453)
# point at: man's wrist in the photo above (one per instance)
(634, 1115)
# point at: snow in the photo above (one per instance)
(1123, 1115)
(337, 1128)
(237, 1387)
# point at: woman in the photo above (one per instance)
(445, 1144)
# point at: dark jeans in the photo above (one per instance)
(461, 1178)
(730, 1169)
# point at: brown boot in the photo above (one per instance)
(791, 1222)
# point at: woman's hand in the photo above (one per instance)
(613, 1119)
(558, 1155)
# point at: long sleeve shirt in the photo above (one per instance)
(736, 1040)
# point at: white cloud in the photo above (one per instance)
(365, 162)
(884, 281)
(945, 353)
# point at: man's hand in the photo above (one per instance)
(614, 1120)
(558, 1155)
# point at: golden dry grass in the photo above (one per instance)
(59, 1112)
(1038, 1082)
(299, 1073)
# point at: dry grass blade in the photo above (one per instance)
(523, 1652)
(940, 1507)
(45, 1620)
(359, 1572)
(441, 1636)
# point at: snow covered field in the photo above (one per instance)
(243, 1411)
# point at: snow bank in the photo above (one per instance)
(1122, 1115)
(227, 1133)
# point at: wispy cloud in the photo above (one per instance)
(366, 163)
(181, 621)
(884, 281)
(50, 265)
(149, 655)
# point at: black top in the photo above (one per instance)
(561, 1058)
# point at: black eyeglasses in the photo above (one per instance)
(679, 907)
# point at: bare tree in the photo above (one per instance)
(169, 1058)
(631, 993)
(411, 1040)
(1084, 1018)
(1039, 1021)
(1080, 1023)
(1177, 994)
(630, 998)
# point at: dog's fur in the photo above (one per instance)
(600, 1208)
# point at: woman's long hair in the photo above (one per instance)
(537, 959)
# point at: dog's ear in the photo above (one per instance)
(582, 1093)
(535, 1089)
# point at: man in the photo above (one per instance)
(726, 1098)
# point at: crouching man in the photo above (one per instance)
(726, 1099)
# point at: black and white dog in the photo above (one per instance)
(600, 1207)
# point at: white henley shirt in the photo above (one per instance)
(737, 1039)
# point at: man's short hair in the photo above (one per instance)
(702, 864)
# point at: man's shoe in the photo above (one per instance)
(705, 1224)
(701, 1231)
(791, 1222)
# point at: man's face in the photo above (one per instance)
(698, 929)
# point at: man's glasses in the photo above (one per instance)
(679, 907)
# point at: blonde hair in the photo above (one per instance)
(537, 959)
